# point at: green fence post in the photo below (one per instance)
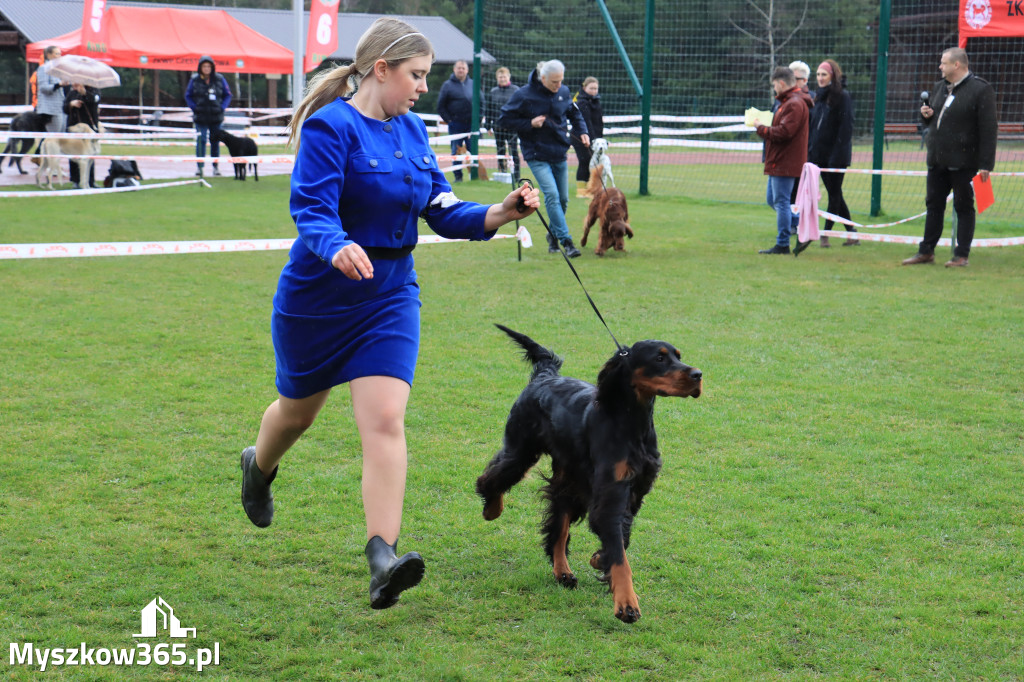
(645, 103)
(881, 85)
(478, 46)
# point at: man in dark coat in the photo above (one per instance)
(505, 140)
(540, 112)
(785, 152)
(960, 118)
(207, 95)
(455, 106)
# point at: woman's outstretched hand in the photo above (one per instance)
(353, 262)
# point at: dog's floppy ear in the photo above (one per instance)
(614, 378)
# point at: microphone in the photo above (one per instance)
(924, 98)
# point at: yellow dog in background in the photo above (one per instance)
(68, 146)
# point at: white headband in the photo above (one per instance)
(393, 43)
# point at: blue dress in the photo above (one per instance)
(364, 181)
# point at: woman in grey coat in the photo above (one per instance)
(50, 101)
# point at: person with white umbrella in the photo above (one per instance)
(82, 106)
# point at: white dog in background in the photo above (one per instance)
(599, 157)
(50, 167)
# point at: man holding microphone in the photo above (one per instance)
(960, 117)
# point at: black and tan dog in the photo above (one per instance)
(604, 451)
(25, 122)
(240, 146)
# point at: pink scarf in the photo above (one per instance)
(807, 203)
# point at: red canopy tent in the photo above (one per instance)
(174, 40)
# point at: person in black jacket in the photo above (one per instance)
(962, 127)
(540, 112)
(505, 140)
(81, 105)
(830, 140)
(589, 102)
(455, 106)
(207, 95)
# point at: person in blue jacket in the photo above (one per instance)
(207, 95)
(347, 303)
(540, 112)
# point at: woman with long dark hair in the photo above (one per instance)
(830, 141)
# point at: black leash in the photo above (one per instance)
(521, 206)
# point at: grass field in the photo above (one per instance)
(843, 502)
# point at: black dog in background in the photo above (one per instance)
(604, 452)
(240, 146)
(25, 122)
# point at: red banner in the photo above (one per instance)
(94, 29)
(991, 19)
(322, 40)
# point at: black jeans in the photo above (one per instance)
(507, 140)
(583, 155)
(940, 182)
(836, 203)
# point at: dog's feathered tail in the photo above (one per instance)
(541, 358)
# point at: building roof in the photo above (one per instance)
(41, 19)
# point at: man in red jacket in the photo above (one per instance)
(785, 152)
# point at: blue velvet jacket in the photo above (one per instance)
(361, 180)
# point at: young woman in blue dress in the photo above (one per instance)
(347, 303)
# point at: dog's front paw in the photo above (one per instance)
(627, 613)
(493, 509)
(596, 561)
(567, 580)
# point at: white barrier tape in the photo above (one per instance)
(134, 107)
(636, 130)
(873, 171)
(442, 139)
(190, 159)
(15, 108)
(105, 190)
(92, 249)
(901, 239)
(843, 221)
(482, 157)
(180, 135)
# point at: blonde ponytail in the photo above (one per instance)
(387, 35)
(324, 88)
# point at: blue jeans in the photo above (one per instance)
(553, 180)
(780, 190)
(204, 133)
(454, 128)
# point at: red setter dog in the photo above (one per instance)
(608, 206)
(604, 452)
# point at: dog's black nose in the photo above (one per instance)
(696, 374)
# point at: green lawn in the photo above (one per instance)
(842, 502)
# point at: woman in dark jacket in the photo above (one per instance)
(207, 95)
(589, 104)
(81, 105)
(830, 139)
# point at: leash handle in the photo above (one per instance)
(622, 349)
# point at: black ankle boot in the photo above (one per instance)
(257, 500)
(390, 574)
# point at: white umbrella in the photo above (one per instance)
(75, 68)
